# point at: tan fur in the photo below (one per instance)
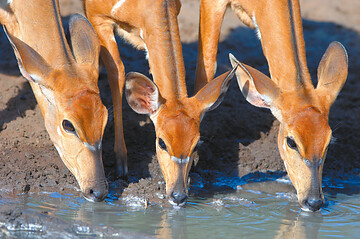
(64, 84)
(301, 109)
(153, 24)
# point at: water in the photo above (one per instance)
(265, 209)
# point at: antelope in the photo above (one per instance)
(64, 82)
(152, 26)
(301, 108)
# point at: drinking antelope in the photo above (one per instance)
(301, 108)
(152, 26)
(64, 82)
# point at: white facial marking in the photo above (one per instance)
(180, 161)
(257, 29)
(59, 151)
(305, 209)
(59, 131)
(175, 205)
(117, 6)
(88, 199)
(9, 1)
(92, 148)
(285, 165)
(284, 146)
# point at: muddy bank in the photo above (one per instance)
(238, 139)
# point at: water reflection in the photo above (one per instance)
(256, 210)
(172, 224)
(303, 225)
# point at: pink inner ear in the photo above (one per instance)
(141, 96)
(144, 102)
(150, 87)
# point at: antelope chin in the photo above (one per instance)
(305, 209)
(177, 206)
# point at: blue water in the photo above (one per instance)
(265, 208)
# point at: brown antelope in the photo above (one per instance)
(64, 82)
(152, 26)
(301, 108)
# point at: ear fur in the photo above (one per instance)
(141, 93)
(332, 73)
(258, 89)
(32, 66)
(85, 43)
(212, 94)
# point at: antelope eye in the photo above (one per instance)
(162, 144)
(291, 143)
(68, 126)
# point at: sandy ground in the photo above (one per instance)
(239, 139)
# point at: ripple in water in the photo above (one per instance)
(255, 208)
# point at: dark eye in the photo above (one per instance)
(68, 126)
(162, 144)
(291, 143)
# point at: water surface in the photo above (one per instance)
(264, 209)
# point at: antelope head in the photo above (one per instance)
(303, 112)
(177, 121)
(70, 103)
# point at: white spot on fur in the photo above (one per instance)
(36, 78)
(284, 146)
(59, 131)
(277, 113)
(266, 99)
(113, 38)
(285, 165)
(59, 151)
(117, 6)
(257, 29)
(145, 47)
(92, 148)
(146, 52)
(180, 161)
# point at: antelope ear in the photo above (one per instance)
(258, 89)
(212, 94)
(141, 93)
(332, 73)
(85, 43)
(32, 66)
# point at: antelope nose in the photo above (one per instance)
(313, 203)
(178, 198)
(96, 194)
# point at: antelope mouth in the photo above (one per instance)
(176, 205)
(97, 192)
